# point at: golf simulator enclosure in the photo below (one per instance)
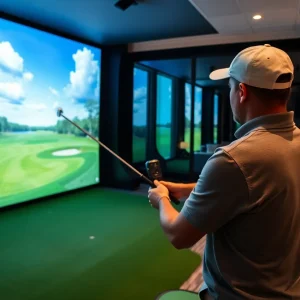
(41, 154)
(76, 222)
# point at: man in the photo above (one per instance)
(247, 197)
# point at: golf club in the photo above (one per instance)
(147, 180)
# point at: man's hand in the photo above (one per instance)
(176, 227)
(155, 195)
(178, 190)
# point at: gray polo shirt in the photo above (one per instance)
(247, 200)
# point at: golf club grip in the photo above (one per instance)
(172, 198)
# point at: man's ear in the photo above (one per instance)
(243, 92)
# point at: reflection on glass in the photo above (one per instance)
(140, 97)
(163, 116)
(197, 116)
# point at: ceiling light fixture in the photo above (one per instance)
(257, 17)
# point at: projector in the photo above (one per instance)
(124, 4)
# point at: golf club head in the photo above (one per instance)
(59, 111)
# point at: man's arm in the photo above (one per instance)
(220, 194)
(177, 229)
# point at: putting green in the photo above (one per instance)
(29, 170)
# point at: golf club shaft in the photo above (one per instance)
(113, 153)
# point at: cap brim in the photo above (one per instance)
(219, 74)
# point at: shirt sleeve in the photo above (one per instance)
(220, 194)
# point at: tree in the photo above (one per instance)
(75, 130)
(4, 125)
(140, 131)
(187, 122)
(92, 108)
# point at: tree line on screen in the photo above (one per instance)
(90, 124)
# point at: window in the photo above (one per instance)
(140, 98)
(216, 117)
(197, 118)
(163, 116)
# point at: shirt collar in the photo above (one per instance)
(281, 120)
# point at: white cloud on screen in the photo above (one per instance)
(12, 91)
(140, 94)
(84, 81)
(19, 114)
(12, 77)
(53, 91)
(56, 105)
(37, 106)
(10, 59)
(28, 76)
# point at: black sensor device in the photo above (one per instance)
(154, 173)
(153, 169)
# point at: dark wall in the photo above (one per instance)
(116, 118)
(207, 116)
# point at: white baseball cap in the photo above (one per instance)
(259, 66)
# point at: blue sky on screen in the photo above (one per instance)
(40, 71)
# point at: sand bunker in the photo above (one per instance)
(67, 152)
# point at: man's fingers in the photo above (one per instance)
(156, 182)
(167, 184)
(164, 182)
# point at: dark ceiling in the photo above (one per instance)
(99, 21)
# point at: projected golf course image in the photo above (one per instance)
(42, 163)
(40, 153)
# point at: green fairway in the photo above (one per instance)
(47, 251)
(29, 170)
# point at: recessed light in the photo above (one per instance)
(257, 17)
